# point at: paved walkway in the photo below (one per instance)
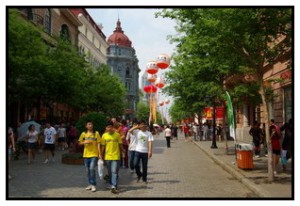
(186, 170)
(255, 179)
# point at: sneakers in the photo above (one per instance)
(46, 161)
(138, 179)
(257, 156)
(114, 190)
(131, 171)
(89, 187)
(93, 189)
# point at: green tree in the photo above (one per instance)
(106, 92)
(218, 43)
(27, 56)
(54, 72)
(143, 111)
(99, 121)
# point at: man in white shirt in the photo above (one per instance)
(50, 136)
(143, 150)
(132, 140)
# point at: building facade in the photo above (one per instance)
(54, 22)
(278, 78)
(91, 40)
(122, 59)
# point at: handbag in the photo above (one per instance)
(100, 168)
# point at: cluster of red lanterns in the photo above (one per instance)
(152, 67)
(150, 89)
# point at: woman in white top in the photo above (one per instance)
(32, 138)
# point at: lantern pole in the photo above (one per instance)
(214, 143)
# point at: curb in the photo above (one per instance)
(240, 177)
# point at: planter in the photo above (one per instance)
(72, 159)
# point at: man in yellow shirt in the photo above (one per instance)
(111, 147)
(90, 140)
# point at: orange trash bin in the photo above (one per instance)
(244, 156)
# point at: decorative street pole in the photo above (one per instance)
(214, 143)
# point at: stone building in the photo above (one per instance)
(54, 22)
(91, 40)
(123, 61)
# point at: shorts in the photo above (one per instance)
(61, 139)
(276, 151)
(50, 147)
(32, 145)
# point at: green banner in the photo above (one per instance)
(230, 115)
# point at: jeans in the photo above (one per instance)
(168, 141)
(90, 164)
(131, 159)
(113, 171)
(144, 157)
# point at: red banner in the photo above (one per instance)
(219, 112)
(208, 113)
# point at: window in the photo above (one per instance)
(47, 21)
(64, 32)
(86, 31)
(127, 72)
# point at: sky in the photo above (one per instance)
(147, 33)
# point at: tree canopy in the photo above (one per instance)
(40, 71)
(216, 43)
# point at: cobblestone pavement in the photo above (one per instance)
(182, 171)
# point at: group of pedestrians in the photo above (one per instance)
(110, 149)
(281, 144)
(201, 131)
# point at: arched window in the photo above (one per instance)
(47, 21)
(64, 32)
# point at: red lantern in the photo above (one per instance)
(167, 101)
(160, 83)
(161, 103)
(147, 89)
(151, 67)
(151, 78)
(163, 61)
(150, 89)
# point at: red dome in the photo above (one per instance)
(118, 37)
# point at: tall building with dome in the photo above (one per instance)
(122, 59)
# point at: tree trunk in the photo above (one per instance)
(268, 138)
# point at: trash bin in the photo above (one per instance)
(244, 156)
